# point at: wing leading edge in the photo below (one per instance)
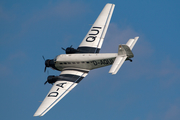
(68, 79)
(94, 39)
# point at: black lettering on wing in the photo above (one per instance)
(97, 32)
(92, 36)
(53, 94)
(61, 85)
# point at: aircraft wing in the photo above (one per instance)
(93, 40)
(69, 78)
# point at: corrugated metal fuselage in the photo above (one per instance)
(84, 61)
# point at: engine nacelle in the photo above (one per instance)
(71, 50)
(51, 79)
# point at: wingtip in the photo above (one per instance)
(35, 115)
(137, 37)
(113, 73)
(110, 4)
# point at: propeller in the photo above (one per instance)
(47, 78)
(45, 63)
(68, 49)
(43, 58)
(63, 48)
(45, 82)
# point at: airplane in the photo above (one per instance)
(76, 63)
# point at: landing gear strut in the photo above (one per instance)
(129, 59)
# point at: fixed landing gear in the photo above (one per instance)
(129, 59)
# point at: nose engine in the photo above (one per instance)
(51, 78)
(49, 63)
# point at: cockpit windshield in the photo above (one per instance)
(55, 58)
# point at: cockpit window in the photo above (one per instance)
(55, 58)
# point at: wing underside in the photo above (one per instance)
(68, 80)
(94, 39)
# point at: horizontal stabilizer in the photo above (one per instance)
(132, 42)
(117, 64)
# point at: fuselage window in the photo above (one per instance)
(87, 62)
(61, 63)
(82, 62)
(69, 63)
(73, 63)
(77, 62)
(65, 63)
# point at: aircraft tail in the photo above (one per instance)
(124, 53)
(132, 42)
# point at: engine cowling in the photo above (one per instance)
(51, 79)
(71, 50)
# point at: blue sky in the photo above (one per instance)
(146, 89)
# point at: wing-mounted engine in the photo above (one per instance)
(52, 79)
(70, 50)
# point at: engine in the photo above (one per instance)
(51, 79)
(70, 50)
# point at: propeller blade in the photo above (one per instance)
(43, 58)
(45, 69)
(63, 48)
(45, 82)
